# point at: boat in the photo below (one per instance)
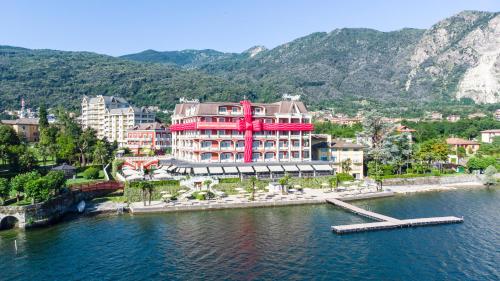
(81, 206)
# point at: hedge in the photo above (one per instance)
(229, 180)
(134, 194)
(159, 183)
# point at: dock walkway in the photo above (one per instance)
(384, 222)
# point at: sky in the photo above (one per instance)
(118, 27)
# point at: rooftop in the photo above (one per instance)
(149, 126)
(212, 108)
(458, 141)
(21, 121)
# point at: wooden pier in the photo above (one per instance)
(383, 222)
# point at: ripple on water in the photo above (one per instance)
(292, 243)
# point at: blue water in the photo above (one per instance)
(286, 243)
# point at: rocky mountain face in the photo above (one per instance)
(456, 58)
(460, 55)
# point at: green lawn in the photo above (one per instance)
(81, 180)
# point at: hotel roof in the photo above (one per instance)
(212, 108)
(149, 126)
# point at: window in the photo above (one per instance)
(240, 144)
(306, 154)
(239, 156)
(235, 110)
(295, 154)
(206, 144)
(283, 144)
(269, 144)
(206, 156)
(269, 155)
(222, 109)
(225, 144)
(255, 144)
(225, 156)
(255, 156)
(281, 155)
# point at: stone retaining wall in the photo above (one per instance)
(434, 180)
(47, 212)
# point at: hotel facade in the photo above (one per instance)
(220, 132)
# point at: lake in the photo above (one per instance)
(282, 243)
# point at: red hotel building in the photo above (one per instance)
(148, 137)
(241, 132)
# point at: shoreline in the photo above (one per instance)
(410, 189)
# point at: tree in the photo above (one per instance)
(4, 190)
(18, 183)
(56, 180)
(38, 190)
(461, 152)
(283, 182)
(333, 182)
(346, 165)
(253, 181)
(489, 176)
(47, 144)
(101, 153)
(91, 173)
(86, 141)
(207, 183)
(481, 163)
(27, 160)
(66, 147)
(8, 142)
(146, 188)
(375, 128)
(43, 121)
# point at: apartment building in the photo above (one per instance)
(149, 138)
(111, 117)
(342, 153)
(241, 132)
(26, 128)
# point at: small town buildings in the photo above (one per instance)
(488, 135)
(476, 115)
(26, 128)
(219, 132)
(342, 154)
(111, 117)
(470, 146)
(496, 115)
(435, 116)
(453, 118)
(148, 138)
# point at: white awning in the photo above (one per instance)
(200, 170)
(181, 170)
(322, 167)
(261, 169)
(290, 168)
(160, 171)
(171, 168)
(230, 170)
(130, 172)
(161, 176)
(275, 168)
(216, 170)
(245, 169)
(305, 168)
(134, 177)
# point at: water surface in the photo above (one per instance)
(283, 243)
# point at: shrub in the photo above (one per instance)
(436, 172)
(344, 177)
(91, 173)
(4, 189)
(229, 180)
(38, 189)
(56, 179)
(18, 183)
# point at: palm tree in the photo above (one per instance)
(283, 182)
(253, 180)
(333, 181)
(207, 183)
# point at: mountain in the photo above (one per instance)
(450, 66)
(185, 58)
(62, 78)
(456, 58)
